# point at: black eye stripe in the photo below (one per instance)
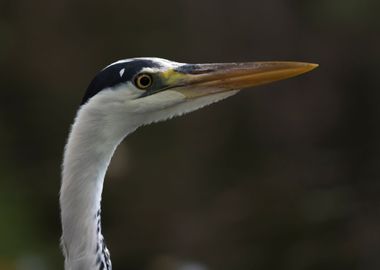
(112, 76)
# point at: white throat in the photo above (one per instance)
(100, 125)
(87, 155)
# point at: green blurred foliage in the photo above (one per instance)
(282, 177)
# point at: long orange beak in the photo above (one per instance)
(206, 79)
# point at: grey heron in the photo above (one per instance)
(122, 97)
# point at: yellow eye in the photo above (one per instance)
(143, 81)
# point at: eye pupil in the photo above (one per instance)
(143, 81)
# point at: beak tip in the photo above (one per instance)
(311, 66)
(305, 67)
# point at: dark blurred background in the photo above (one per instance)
(284, 176)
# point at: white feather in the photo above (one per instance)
(100, 125)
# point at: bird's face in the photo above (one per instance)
(152, 89)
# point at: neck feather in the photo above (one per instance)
(101, 124)
(88, 152)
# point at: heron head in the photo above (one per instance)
(153, 89)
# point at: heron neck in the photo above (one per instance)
(88, 153)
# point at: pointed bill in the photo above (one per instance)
(206, 79)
